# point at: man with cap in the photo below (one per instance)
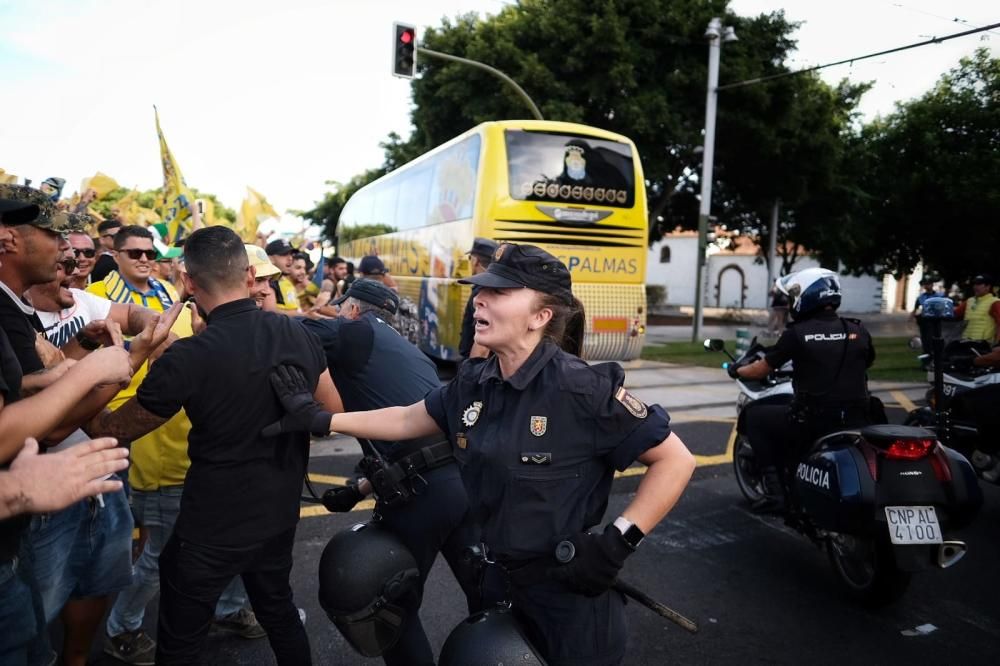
(262, 291)
(52, 188)
(106, 231)
(372, 367)
(282, 254)
(480, 257)
(927, 284)
(982, 311)
(372, 268)
(31, 257)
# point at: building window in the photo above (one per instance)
(665, 254)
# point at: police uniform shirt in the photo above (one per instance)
(242, 488)
(22, 326)
(830, 356)
(538, 450)
(373, 366)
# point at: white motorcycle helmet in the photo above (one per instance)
(809, 291)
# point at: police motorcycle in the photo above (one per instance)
(952, 376)
(880, 500)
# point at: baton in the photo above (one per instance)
(566, 551)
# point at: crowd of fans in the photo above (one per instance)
(81, 320)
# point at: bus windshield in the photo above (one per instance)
(569, 169)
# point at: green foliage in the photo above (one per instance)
(150, 199)
(924, 181)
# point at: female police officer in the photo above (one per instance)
(538, 434)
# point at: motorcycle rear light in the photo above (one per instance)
(872, 460)
(909, 449)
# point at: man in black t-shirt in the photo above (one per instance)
(240, 505)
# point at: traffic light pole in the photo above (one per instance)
(492, 70)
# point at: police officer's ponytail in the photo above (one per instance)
(567, 323)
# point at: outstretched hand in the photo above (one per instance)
(302, 412)
(153, 335)
(56, 480)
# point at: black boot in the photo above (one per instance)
(773, 500)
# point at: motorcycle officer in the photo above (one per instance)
(831, 356)
(980, 404)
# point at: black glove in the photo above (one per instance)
(302, 412)
(731, 368)
(598, 559)
(343, 499)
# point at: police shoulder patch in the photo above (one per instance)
(635, 407)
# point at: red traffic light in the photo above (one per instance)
(406, 36)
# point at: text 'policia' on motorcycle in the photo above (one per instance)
(813, 446)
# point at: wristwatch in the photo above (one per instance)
(630, 532)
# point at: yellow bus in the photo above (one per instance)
(576, 191)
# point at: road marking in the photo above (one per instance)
(331, 480)
(320, 510)
(903, 401)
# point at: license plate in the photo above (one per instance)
(909, 525)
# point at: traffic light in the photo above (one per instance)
(404, 51)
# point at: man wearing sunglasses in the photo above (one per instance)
(86, 257)
(133, 281)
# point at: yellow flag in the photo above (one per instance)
(265, 208)
(103, 184)
(7, 178)
(127, 207)
(176, 195)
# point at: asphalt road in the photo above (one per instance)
(759, 592)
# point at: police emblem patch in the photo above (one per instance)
(499, 252)
(471, 414)
(538, 425)
(461, 441)
(635, 407)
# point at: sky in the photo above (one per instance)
(284, 96)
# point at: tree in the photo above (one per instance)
(923, 180)
(637, 68)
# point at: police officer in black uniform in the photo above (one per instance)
(480, 257)
(538, 434)
(372, 367)
(830, 356)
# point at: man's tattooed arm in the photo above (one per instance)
(130, 422)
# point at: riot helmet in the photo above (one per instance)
(489, 638)
(809, 291)
(368, 581)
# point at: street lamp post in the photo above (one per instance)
(716, 34)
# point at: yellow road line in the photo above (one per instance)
(903, 401)
(331, 480)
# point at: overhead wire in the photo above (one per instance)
(933, 40)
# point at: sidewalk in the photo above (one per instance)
(878, 324)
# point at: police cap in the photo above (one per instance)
(483, 247)
(517, 266)
(374, 292)
(371, 265)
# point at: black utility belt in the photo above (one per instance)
(401, 480)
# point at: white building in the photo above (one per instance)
(736, 277)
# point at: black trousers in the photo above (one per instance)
(432, 522)
(193, 576)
